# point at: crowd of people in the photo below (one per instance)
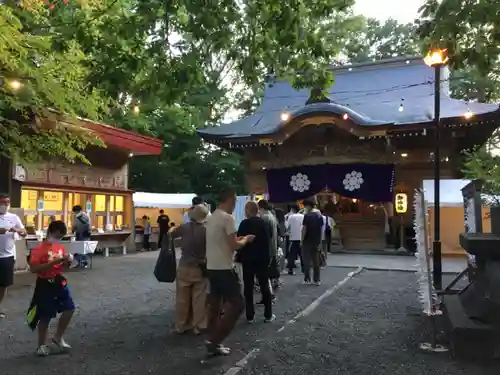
(217, 271)
(220, 264)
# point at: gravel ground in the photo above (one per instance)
(124, 320)
(371, 325)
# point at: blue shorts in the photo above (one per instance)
(51, 301)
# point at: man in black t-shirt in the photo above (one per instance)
(255, 258)
(312, 230)
(163, 224)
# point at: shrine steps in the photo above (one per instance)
(469, 339)
(359, 234)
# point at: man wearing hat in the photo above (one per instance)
(191, 282)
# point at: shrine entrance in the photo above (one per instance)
(356, 195)
(360, 225)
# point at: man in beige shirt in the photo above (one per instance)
(222, 242)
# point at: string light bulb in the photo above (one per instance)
(136, 109)
(401, 106)
(285, 116)
(468, 114)
(15, 84)
(345, 116)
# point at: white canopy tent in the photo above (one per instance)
(239, 209)
(157, 200)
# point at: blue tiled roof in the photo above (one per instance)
(370, 93)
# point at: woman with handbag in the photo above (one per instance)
(191, 281)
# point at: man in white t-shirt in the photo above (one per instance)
(10, 225)
(294, 229)
(221, 243)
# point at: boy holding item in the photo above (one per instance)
(52, 294)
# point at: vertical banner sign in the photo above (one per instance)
(40, 205)
(88, 206)
(401, 203)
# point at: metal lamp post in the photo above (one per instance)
(437, 59)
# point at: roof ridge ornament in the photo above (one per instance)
(270, 79)
(318, 95)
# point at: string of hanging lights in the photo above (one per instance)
(350, 104)
(242, 144)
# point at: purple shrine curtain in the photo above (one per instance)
(369, 182)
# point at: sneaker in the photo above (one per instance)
(61, 344)
(306, 282)
(250, 321)
(3, 315)
(317, 283)
(271, 319)
(214, 350)
(42, 351)
(291, 273)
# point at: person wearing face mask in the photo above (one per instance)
(10, 225)
(52, 295)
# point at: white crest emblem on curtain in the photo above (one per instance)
(300, 182)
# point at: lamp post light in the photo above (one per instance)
(437, 59)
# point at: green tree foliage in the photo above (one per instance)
(484, 165)
(469, 83)
(186, 63)
(377, 40)
(36, 83)
(469, 30)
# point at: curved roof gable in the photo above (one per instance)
(371, 93)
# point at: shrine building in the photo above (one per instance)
(50, 188)
(371, 137)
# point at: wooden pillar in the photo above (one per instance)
(65, 206)
(5, 175)
(15, 193)
(39, 216)
(108, 212)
